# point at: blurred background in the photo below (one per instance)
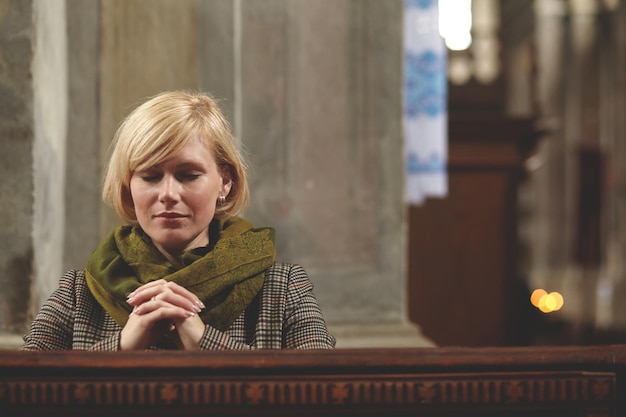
(524, 244)
(536, 180)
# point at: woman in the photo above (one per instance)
(184, 272)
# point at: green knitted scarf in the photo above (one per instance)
(226, 275)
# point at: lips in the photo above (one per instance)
(170, 215)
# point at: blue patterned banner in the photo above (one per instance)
(425, 102)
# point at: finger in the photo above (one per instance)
(146, 292)
(164, 290)
(168, 297)
(167, 294)
(158, 310)
(184, 292)
(140, 332)
(178, 300)
(148, 285)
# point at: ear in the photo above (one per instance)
(227, 181)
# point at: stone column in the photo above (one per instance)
(83, 205)
(575, 68)
(33, 99)
(16, 162)
(550, 191)
(50, 123)
(314, 90)
(618, 308)
(581, 131)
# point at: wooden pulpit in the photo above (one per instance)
(550, 381)
(463, 286)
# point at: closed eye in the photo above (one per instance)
(151, 177)
(187, 176)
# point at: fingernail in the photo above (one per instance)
(190, 314)
(200, 304)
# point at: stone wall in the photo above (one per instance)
(313, 91)
(33, 128)
(16, 162)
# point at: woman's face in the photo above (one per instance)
(175, 200)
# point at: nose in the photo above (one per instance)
(168, 190)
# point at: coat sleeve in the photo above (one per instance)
(289, 316)
(52, 327)
(304, 326)
(71, 319)
(213, 339)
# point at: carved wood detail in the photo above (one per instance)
(510, 382)
(416, 390)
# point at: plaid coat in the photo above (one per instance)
(285, 315)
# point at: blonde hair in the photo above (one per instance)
(160, 127)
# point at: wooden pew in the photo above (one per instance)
(499, 381)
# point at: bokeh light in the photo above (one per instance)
(455, 23)
(546, 302)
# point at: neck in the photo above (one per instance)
(175, 257)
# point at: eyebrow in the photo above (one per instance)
(190, 164)
(184, 165)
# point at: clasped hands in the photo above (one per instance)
(162, 309)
